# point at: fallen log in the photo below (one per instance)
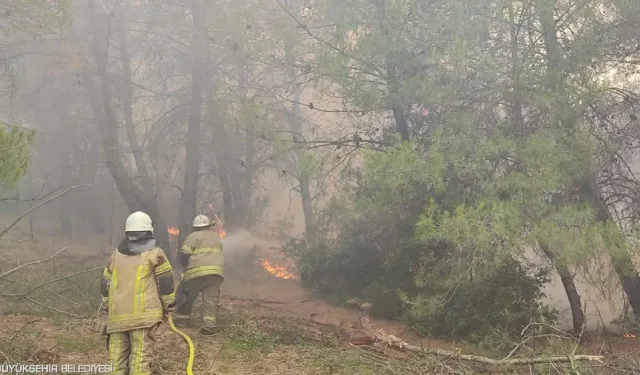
(395, 342)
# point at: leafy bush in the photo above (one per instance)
(506, 298)
(502, 296)
(396, 252)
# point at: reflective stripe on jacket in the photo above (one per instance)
(203, 251)
(137, 288)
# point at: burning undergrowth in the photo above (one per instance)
(239, 247)
(278, 271)
(218, 227)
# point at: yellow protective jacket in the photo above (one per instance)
(201, 255)
(137, 286)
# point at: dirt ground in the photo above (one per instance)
(274, 312)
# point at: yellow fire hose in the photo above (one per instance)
(189, 342)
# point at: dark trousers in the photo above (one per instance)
(187, 292)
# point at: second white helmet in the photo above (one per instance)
(138, 222)
(201, 221)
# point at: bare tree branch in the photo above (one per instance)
(326, 43)
(52, 308)
(17, 220)
(16, 269)
(50, 282)
(23, 327)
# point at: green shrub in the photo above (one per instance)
(505, 299)
(437, 254)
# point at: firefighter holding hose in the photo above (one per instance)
(138, 293)
(202, 260)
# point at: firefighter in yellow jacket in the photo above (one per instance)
(203, 273)
(138, 292)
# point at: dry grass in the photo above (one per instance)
(57, 323)
(244, 348)
(253, 345)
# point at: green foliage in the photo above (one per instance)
(502, 162)
(437, 231)
(15, 147)
(412, 259)
(501, 297)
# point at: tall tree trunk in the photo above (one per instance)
(95, 216)
(394, 84)
(516, 104)
(127, 96)
(566, 277)
(295, 124)
(402, 126)
(230, 212)
(235, 177)
(89, 196)
(249, 138)
(107, 122)
(149, 201)
(570, 289)
(545, 9)
(221, 150)
(188, 208)
(622, 263)
(630, 279)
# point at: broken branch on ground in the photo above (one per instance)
(397, 343)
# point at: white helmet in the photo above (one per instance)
(201, 221)
(138, 222)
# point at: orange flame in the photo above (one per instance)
(173, 231)
(219, 224)
(277, 271)
(629, 335)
